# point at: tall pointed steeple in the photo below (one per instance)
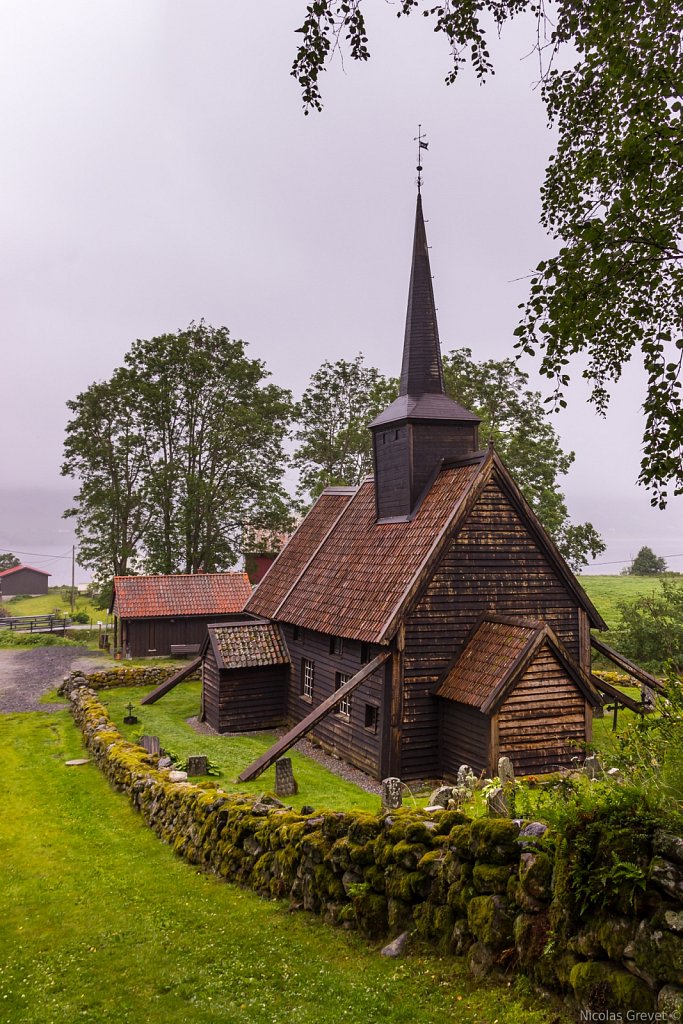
(422, 372)
(423, 425)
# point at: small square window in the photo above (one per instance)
(364, 654)
(307, 678)
(296, 633)
(371, 717)
(336, 645)
(344, 705)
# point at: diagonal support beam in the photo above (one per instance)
(615, 694)
(306, 724)
(625, 665)
(163, 688)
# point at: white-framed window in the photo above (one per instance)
(307, 677)
(344, 705)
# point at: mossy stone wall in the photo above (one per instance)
(495, 891)
(124, 675)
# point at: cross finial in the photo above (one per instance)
(421, 144)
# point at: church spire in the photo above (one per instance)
(421, 372)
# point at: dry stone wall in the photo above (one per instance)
(147, 675)
(496, 891)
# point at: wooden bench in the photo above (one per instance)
(179, 650)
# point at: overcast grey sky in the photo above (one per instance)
(157, 168)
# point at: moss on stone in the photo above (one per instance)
(492, 878)
(604, 986)
(659, 953)
(494, 840)
(408, 855)
(490, 920)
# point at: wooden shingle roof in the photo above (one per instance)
(353, 582)
(498, 652)
(248, 645)
(287, 567)
(153, 597)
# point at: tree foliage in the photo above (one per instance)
(342, 398)
(333, 415)
(651, 627)
(646, 563)
(515, 419)
(174, 454)
(8, 561)
(612, 82)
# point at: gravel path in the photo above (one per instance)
(25, 675)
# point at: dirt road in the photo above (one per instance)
(25, 675)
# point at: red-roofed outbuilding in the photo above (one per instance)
(152, 614)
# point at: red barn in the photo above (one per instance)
(24, 580)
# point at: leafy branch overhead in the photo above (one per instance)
(612, 196)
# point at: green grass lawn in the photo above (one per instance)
(99, 922)
(607, 591)
(166, 719)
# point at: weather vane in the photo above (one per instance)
(421, 144)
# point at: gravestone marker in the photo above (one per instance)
(593, 768)
(496, 804)
(152, 744)
(285, 783)
(506, 773)
(198, 765)
(466, 778)
(392, 794)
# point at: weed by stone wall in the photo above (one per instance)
(504, 894)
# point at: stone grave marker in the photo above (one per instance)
(506, 772)
(592, 768)
(285, 783)
(392, 794)
(198, 765)
(152, 744)
(496, 804)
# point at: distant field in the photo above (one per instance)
(57, 598)
(607, 591)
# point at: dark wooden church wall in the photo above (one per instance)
(391, 455)
(463, 738)
(493, 564)
(348, 738)
(210, 691)
(440, 441)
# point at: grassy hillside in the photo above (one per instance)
(56, 599)
(99, 922)
(606, 591)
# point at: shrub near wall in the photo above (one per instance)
(504, 895)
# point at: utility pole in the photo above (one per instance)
(73, 577)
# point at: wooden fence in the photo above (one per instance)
(35, 624)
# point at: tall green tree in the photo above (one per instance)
(332, 424)
(646, 563)
(515, 418)
(650, 630)
(8, 561)
(175, 454)
(612, 82)
(104, 451)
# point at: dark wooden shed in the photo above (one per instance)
(23, 580)
(245, 670)
(153, 614)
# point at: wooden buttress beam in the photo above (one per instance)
(163, 688)
(306, 724)
(625, 665)
(617, 695)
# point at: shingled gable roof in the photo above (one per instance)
(358, 578)
(156, 597)
(248, 644)
(495, 657)
(298, 550)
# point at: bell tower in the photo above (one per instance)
(423, 425)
